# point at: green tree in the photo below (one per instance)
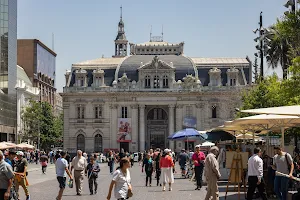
(41, 125)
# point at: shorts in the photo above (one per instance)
(62, 182)
(182, 166)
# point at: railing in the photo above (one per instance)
(111, 89)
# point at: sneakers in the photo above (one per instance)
(170, 189)
(164, 188)
(28, 197)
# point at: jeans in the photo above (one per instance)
(281, 187)
(111, 166)
(93, 182)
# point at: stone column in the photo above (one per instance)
(142, 128)
(134, 125)
(67, 115)
(171, 125)
(178, 125)
(114, 126)
(199, 114)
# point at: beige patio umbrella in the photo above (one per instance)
(269, 122)
(25, 146)
(246, 136)
(7, 145)
(283, 110)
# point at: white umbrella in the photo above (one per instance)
(283, 110)
(207, 144)
(269, 122)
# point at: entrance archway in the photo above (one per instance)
(157, 128)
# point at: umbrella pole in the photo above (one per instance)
(282, 138)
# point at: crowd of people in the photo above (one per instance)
(158, 163)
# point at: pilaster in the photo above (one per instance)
(142, 128)
(134, 125)
(178, 125)
(171, 125)
(113, 126)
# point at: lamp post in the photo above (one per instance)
(260, 46)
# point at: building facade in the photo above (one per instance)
(39, 63)
(25, 93)
(58, 105)
(135, 101)
(8, 69)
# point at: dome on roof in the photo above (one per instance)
(130, 65)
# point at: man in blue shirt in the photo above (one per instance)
(61, 173)
(10, 158)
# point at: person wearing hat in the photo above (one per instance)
(212, 174)
(21, 173)
(198, 159)
(6, 176)
(167, 166)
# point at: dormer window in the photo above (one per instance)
(98, 78)
(81, 78)
(165, 82)
(232, 76)
(147, 82)
(156, 81)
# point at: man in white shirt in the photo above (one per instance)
(255, 175)
(79, 164)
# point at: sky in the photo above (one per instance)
(85, 30)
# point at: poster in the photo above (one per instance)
(124, 130)
(190, 122)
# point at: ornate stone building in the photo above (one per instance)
(135, 101)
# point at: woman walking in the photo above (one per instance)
(167, 166)
(148, 163)
(121, 181)
(111, 161)
(157, 168)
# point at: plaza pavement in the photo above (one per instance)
(45, 187)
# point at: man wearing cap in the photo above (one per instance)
(6, 175)
(212, 174)
(21, 170)
(198, 158)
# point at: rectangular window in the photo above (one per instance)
(124, 113)
(98, 111)
(189, 111)
(80, 111)
(214, 112)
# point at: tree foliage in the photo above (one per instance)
(40, 122)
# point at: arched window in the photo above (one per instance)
(156, 81)
(98, 143)
(165, 82)
(80, 142)
(147, 82)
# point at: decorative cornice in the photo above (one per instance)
(179, 106)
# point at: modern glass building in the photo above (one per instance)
(8, 69)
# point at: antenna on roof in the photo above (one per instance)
(162, 33)
(151, 34)
(121, 12)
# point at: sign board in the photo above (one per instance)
(124, 130)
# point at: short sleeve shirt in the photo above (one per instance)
(6, 173)
(21, 164)
(183, 157)
(61, 165)
(121, 186)
(281, 163)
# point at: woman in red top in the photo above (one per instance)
(198, 158)
(166, 165)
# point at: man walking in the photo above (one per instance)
(62, 170)
(212, 174)
(79, 164)
(198, 158)
(183, 159)
(255, 175)
(283, 163)
(93, 169)
(6, 175)
(21, 173)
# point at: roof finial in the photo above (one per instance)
(151, 34)
(121, 12)
(162, 33)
